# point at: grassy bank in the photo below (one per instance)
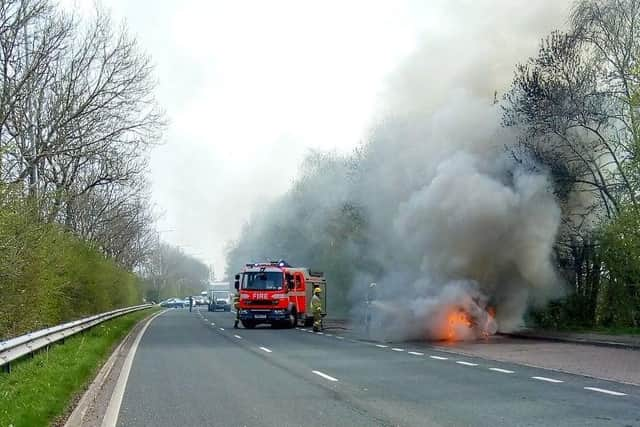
(39, 390)
(612, 330)
(49, 276)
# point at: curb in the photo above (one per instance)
(581, 341)
(77, 416)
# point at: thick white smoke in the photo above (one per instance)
(432, 208)
(457, 226)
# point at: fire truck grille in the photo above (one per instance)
(262, 302)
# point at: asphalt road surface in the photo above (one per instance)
(194, 369)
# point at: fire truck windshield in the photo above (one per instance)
(262, 280)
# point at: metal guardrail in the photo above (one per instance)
(15, 348)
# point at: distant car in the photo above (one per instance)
(173, 303)
(222, 301)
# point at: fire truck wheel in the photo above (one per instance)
(248, 324)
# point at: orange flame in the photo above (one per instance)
(455, 321)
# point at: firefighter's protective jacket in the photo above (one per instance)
(236, 301)
(316, 305)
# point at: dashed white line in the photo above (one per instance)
(549, 380)
(462, 362)
(504, 371)
(265, 349)
(222, 329)
(397, 349)
(381, 346)
(416, 353)
(340, 338)
(602, 390)
(329, 335)
(320, 333)
(439, 357)
(325, 376)
(238, 336)
(310, 331)
(213, 324)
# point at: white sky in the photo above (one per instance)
(250, 86)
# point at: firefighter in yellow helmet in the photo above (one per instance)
(316, 309)
(236, 305)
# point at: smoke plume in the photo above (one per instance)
(432, 208)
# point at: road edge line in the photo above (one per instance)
(80, 410)
(113, 409)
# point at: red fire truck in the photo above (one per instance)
(277, 293)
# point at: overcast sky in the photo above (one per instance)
(250, 86)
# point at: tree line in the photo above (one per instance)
(78, 117)
(577, 107)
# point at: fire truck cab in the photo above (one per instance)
(278, 294)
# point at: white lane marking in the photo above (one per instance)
(381, 346)
(461, 362)
(213, 324)
(329, 335)
(549, 380)
(297, 328)
(397, 349)
(325, 376)
(265, 349)
(222, 329)
(504, 371)
(113, 410)
(238, 336)
(416, 353)
(340, 338)
(310, 331)
(320, 333)
(439, 357)
(602, 390)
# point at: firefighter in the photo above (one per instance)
(316, 309)
(371, 297)
(236, 305)
(371, 294)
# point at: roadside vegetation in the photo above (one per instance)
(578, 106)
(41, 389)
(77, 119)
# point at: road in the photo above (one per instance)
(194, 369)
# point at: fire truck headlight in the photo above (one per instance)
(279, 311)
(244, 311)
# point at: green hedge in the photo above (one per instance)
(48, 276)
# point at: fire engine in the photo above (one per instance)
(278, 294)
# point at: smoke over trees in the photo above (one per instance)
(576, 107)
(464, 203)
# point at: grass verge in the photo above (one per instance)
(606, 330)
(38, 391)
